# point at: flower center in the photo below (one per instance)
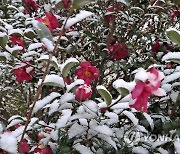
(46, 21)
(87, 74)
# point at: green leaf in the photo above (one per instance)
(105, 94)
(123, 92)
(29, 34)
(3, 40)
(175, 60)
(174, 35)
(80, 3)
(66, 67)
(42, 30)
(2, 57)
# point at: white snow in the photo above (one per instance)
(141, 75)
(55, 79)
(2, 34)
(75, 83)
(177, 146)
(120, 83)
(113, 118)
(82, 15)
(123, 105)
(108, 139)
(90, 107)
(48, 43)
(66, 98)
(8, 143)
(131, 116)
(53, 107)
(66, 114)
(104, 129)
(171, 55)
(13, 31)
(41, 103)
(149, 119)
(14, 122)
(75, 130)
(46, 57)
(171, 77)
(140, 150)
(35, 46)
(15, 48)
(82, 149)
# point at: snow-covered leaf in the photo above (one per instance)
(75, 130)
(54, 61)
(66, 114)
(131, 116)
(172, 56)
(44, 34)
(80, 16)
(65, 68)
(105, 94)
(41, 103)
(54, 80)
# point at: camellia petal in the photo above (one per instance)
(138, 90)
(159, 92)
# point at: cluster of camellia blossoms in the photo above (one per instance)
(147, 83)
(24, 72)
(88, 73)
(25, 145)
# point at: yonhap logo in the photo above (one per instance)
(134, 136)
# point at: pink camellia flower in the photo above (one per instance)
(148, 82)
(17, 40)
(50, 21)
(30, 6)
(87, 72)
(83, 92)
(118, 51)
(45, 150)
(67, 3)
(24, 147)
(23, 72)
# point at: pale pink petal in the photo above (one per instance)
(159, 92)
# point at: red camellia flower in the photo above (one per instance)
(23, 72)
(87, 72)
(67, 3)
(17, 40)
(109, 16)
(118, 51)
(83, 92)
(46, 150)
(24, 147)
(149, 85)
(50, 21)
(30, 6)
(156, 46)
